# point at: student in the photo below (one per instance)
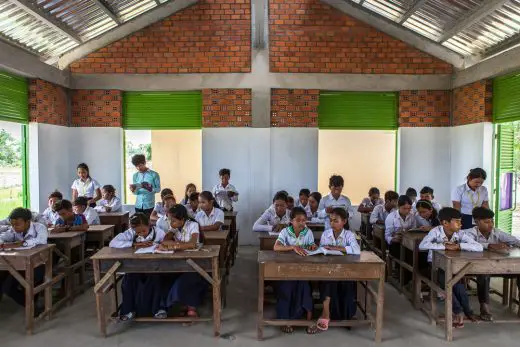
(447, 237)
(294, 298)
(338, 297)
(412, 194)
(81, 208)
(190, 189)
(470, 195)
(86, 186)
(21, 233)
(399, 221)
(210, 218)
(312, 208)
(334, 199)
(225, 193)
(373, 199)
(159, 210)
(290, 203)
(276, 218)
(142, 293)
(284, 192)
(163, 223)
(303, 198)
(188, 289)
(427, 216)
(145, 184)
(380, 212)
(193, 205)
(426, 193)
(50, 216)
(492, 239)
(68, 221)
(110, 202)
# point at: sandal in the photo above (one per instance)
(323, 324)
(127, 317)
(287, 329)
(312, 330)
(161, 314)
(191, 313)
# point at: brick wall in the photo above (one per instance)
(96, 108)
(47, 103)
(472, 103)
(294, 107)
(424, 108)
(309, 36)
(211, 36)
(226, 108)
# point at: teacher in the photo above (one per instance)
(470, 195)
(145, 184)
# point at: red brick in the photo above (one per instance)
(424, 108)
(226, 108)
(294, 108)
(97, 108)
(472, 103)
(47, 103)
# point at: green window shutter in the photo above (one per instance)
(162, 110)
(357, 110)
(506, 98)
(14, 98)
(505, 166)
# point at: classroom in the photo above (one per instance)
(259, 172)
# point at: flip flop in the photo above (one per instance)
(323, 324)
(127, 317)
(161, 314)
(458, 325)
(312, 330)
(287, 329)
(192, 313)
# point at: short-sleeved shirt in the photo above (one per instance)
(394, 223)
(367, 202)
(86, 188)
(79, 219)
(187, 231)
(160, 209)
(346, 239)
(288, 237)
(35, 235)
(468, 198)
(216, 215)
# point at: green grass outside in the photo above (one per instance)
(10, 198)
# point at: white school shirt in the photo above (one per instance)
(87, 188)
(287, 237)
(313, 217)
(50, 216)
(192, 213)
(495, 236)
(269, 219)
(159, 209)
(345, 239)
(91, 216)
(114, 204)
(468, 198)
(223, 200)
(437, 237)
(36, 235)
(299, 204)
(367, 202)
(189, 229)
(329, 201)
(379, 213)
(216, 215)
(394, 223)
(35, 218)
(435, 205)
(127, 238)
(163, 224)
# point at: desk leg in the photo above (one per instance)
(448, 304)
(69, 274)
(402, 258)
(48, 290)
(260, 322)
(82, 268)
(216, 297)
(29, 297)
(415, 265)
(505, 291)
(99, 300)
(433, 295)
(379, 308)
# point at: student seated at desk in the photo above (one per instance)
(494, 240)
(210, 218)
(193, 205)
(189, 288)
(426, 193)
(81, 207)
(334, 199)
(49, 214)
(294, 298)
(373, 199)
(68, 221)
(303, 198)
(22, 233)
(225, 193)
(142, 293)
(339, 298)
(163, 223)
(412, 194)
(274, 218)
(110, 202)
(290, 203)
(159, 210)
(5, 224)
(190, 189)
(426, 217)
(447, 236)
(312, 208)
(380, 212)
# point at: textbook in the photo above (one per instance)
(152, 250)
(324, 251)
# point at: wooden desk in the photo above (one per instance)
(411, 241)
(282, 266)
(119, 219)
(379, 245)
(222, 239)
(28, 260)
(227, 225)
(267, 241)
(111, 261)
(100, 234)
(316, 227)
(232, 216)
(456, 265)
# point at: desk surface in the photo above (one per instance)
(65, 235)
(113, 214)
(100, 227)
(365, 257)
(486, 255)
(230, 214)
(108, 253)
(26, 253)
(216, 235)
(266, 235)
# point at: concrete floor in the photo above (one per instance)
(403, 326)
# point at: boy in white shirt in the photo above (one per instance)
(426, 193)
(334, 199)
(81, 207)
(50, 216)
(225, 193)
(380, 212)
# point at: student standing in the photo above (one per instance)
(470, 195)
(86, 186)
(225, 193)
(334, 199)
(145, 184)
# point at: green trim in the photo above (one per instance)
(506, 98)
(14, 98)
(504, 165)
(123, 193)
(396, 160)
(25, 166)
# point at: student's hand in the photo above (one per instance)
(59, 229)
(145, 244)
(163, 247)
(11, 245)
(398, 237)
(300, 251)
(329, 209)
(499, 248)
(335, 248)
(312, 247)
(452, 246)
(132, 187)
(279, 227)
(231, 194)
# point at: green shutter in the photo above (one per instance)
(506, 98)
(14, 99)
(357, 110)
(505, 165)
(162, 110)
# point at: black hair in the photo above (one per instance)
(316, 196)
(223, 172)
(343, 214)
(284, 191)
(62, 205)
(298, 211)
(207, 195)
(290, 199)
(426, 190)
(374, 190)
(449, 213)
(109, 188)
(477, 173)
(305, 192)
(138, 159)
(482, 213)
(56, 194)
(280, 196)
(179, 212)
(336, 181)
(21, 213)
(84, 167)
(403, 200)
(166, 191)
(411, 192)
(81, 201)
(188, 186)
(434, 218)
(194, 196)
(139, 219)
(391, 195)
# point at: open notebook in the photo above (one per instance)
(324, 251)
(152, 250)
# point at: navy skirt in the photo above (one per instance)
(342, 294)
(142, 294)
(467, 221)
(187, 289)
(293, 299)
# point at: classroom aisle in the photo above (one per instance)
(77, 325)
